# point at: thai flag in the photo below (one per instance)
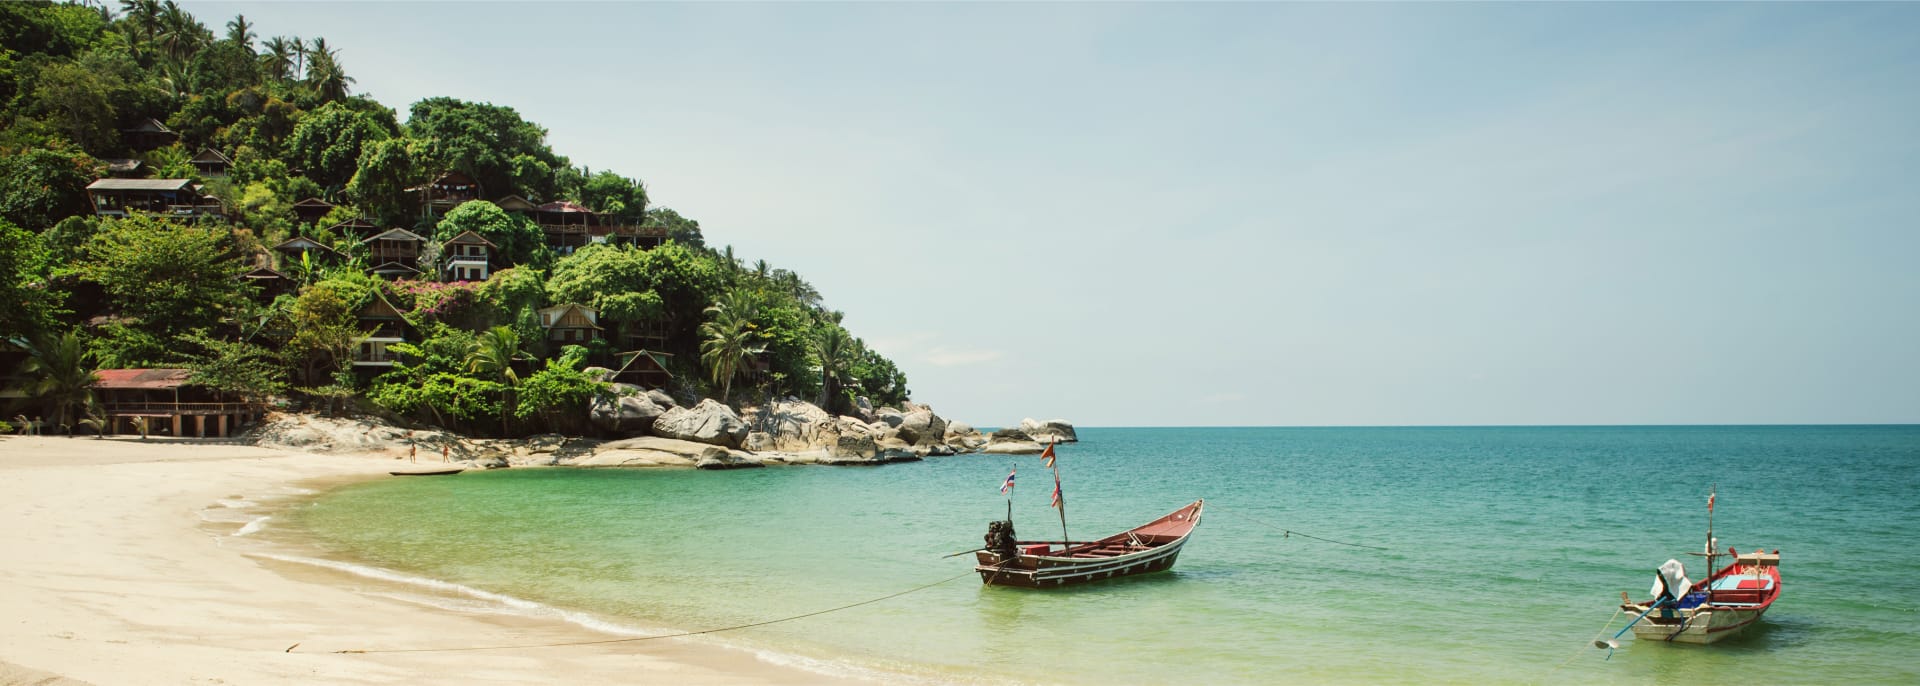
(1047, 456)
(1007, 486)
(1056, 494)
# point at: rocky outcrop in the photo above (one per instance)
(316, 434)
(1013, 448)
(1050, 430)
(652, 451)
(788, 425)
(628, 410)
(709, 422)
(923, 427)
(889, 416)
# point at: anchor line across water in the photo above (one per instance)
(1291, 533)
(634, 639)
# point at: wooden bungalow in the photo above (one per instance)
(167, 402)
(211, 163)
(467, 257)
(382, 324)
(271, 284)
(312, 210)
(517, 205)
(292, 249)
(567, 225)
(447, 192)
(395, 247)
(570, 324)
(149, 134)
(356, 228)
(644, 368)
(176, 197)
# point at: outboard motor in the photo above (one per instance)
(1001, 540)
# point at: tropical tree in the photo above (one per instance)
(324, 73)
(23, 273)
(240, 31)
(59, 372)
(836, 352)
(729, 341)
(40, 187)
(492, 354)
(279, 57)
(328, 142)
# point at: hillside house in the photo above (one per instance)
(570, 324)
(270, 283)
(210, 163)
(383, 325)
(447, 192)
(312, 210)
(395, 253)
(174, 197)
(466, 257)
(149, 134)
(293, 249)
(356, 228)
(169, 405)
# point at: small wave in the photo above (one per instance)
(518, 605)
(253, 525)
(496, 603)
(236, 503)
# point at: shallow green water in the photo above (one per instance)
(1507, 549)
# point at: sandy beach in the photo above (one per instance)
(111, 572)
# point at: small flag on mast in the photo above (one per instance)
(1710, 502)
(1007, 486)
(1047, 456)
(1056, 494)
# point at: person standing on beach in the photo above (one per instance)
(413, 450)
(445, 453)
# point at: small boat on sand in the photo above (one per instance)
(431, 472)
(1148, 548)
(1710, 611)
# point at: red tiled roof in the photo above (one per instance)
(158, 379)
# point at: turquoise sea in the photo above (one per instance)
(1506, 550)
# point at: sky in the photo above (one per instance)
(1184, 214)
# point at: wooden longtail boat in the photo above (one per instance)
(431, 472)
(1151, 547)
(1711, 611)
(1716, 609)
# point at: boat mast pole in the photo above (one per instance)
(1712, 492)
(1066, 541)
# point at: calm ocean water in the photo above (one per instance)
(1506, 551)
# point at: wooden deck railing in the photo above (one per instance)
(115, 408)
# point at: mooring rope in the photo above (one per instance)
(1291, 533)
(1583, 648)
(736, 627)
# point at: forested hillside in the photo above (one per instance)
(179, 196)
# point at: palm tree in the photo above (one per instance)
(493, 354)
(279, 57)
(58, 371)
(241, 32)
(836, 352)
(299, 58)
(324, 73)
(729, 341)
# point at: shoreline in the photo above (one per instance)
(115, 573)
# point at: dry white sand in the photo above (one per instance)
(110, 574)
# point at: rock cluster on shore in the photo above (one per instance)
(657, 432)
